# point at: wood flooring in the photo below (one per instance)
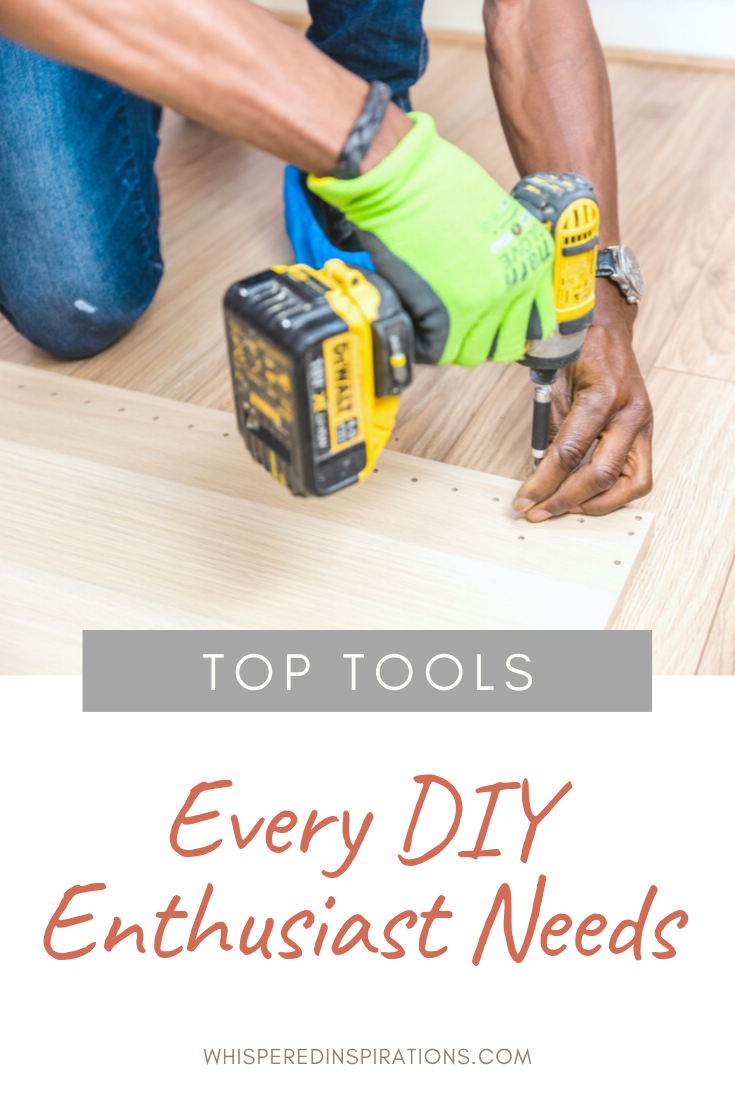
(222, 220)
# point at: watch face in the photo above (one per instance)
(631, 270)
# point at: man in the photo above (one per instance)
(79, 257)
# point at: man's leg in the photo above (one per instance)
(79, 251)
(378, 40)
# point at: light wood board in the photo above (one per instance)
(124, 510)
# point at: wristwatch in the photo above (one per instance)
(620, 265)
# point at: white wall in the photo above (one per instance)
(705, 27)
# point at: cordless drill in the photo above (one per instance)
(320, 358)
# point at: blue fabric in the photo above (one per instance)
(80, 258)
(309, 242)
(79, 251)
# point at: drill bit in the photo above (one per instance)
(541, 422)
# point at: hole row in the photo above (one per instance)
(121, 409)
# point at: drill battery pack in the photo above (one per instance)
(318, 362)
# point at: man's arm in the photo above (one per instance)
(551, 85)
(227, 63)
(233, 66)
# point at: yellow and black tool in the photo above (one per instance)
(320, 358)
(567, 206)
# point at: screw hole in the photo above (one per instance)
(639, 518)
(225, 434)
(414, 479)
(121, 409)
(496, 499)
(455, 489)
(580, 520)
(155, 418)
(521, 538)
(618, 562)
(87, 401)
(54, 393)
(21, 386)
(631, 533)
(190, 426)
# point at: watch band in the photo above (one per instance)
(606, 266)
(364, 129)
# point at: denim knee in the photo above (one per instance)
(80, 312)
(79, 250)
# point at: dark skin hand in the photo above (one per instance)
(551, 85)
(604, 389)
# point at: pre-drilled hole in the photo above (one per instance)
(155, 418)
(54, 393)
(631, 533)
(225, 434)
(87, 401)
(580, 520)
(21, 386)
(121, 409)
(521, 538)
(496, 499)
(639, 518)
(414, 479)
(455, 489)
(190, 426)
(618, 562)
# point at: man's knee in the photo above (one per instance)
(79, 250)
(74, 315)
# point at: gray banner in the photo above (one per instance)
(367, 671)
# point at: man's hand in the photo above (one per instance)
(469, 262)
(602, 398)
(551, 84)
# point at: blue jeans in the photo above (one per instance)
(80, 258)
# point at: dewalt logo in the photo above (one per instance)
(343, 396)
(342, 369)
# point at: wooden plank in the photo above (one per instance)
(680, 585)
(703, 339)
(128, 510)
(693, 498)
(674, 219)
(718, 658)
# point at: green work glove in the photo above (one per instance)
(471, 265)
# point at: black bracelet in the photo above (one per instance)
(366, 126)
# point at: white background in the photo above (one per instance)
(92, 798)
(704, 27)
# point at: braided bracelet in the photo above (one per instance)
(364, 129)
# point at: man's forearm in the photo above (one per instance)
(551, 84)
(227, 63)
